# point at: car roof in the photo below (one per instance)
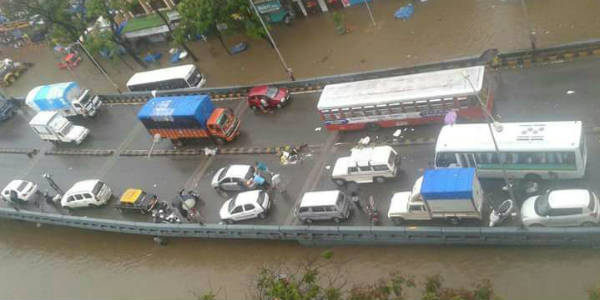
(83, 186)
(574, 198)
(248, 197)
(319, 198)
(375, 155)
(237, 171)
(14, 184)
(258, 90)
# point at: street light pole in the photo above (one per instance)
(370, 12)
(531, 32)
(498, 127)
(283, 63)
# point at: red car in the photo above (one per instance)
(266, 97)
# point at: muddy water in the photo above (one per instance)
(51, 262)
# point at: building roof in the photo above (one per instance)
(552, 136)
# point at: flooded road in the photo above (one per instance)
(52, 262)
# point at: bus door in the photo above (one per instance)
(467, 160)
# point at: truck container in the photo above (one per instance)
(51, 126)
(452, 194)
(67, 98)
(183, 119)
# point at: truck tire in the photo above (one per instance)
(379, 179)
(219, 141)
(398, 221)
(339, 182)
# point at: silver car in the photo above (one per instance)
(576, 207)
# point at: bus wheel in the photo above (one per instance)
(453, 220)
(398, 221)
(379, 179)
(372, 126)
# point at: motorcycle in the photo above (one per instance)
(372, 212)
(162, 213)
(502, 213)
(187, 203)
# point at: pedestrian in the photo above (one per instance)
(355, 199)
(261, 166)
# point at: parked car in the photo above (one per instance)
(246, 205)
(576, 207)
(236, 178)
(87, 193)
(267, 97)
(24, 190)
(366, 165)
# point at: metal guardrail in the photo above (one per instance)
(521, 58)
(330, 235)
(81, 152)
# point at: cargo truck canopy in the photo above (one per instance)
(451, 183)
(53, 96)
(177, 112)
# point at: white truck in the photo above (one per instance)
(51, 126)
(66, 98)
(451, 194)
(365, 165)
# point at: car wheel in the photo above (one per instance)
(536, 225)
(337, 220)
(588, 224)
(253, 107)
(398, 221)
(307, 221)
(279, 106)
(379, 179)
(92, 205)
(340, 182)
(228, 221)
(262, 215)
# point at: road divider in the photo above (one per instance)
(81, 152)
(26, 151)
(203, 152)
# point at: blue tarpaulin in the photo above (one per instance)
(405, 12)
(51, 97)
(450, 183)
(177, 112)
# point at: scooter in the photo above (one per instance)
(372, 212)
(502, 213)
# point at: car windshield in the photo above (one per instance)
(97, 188)
(194, 78)
(222, 120)
(250, 174)
(592, 203)
(542, 207)
(22, 186)
(231, 205)
(271, 92)
(261, 198)
(86, 97)
(222, 175)
(65, 130)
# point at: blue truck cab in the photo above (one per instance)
(7, 109)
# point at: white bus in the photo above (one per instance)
(179, 77)
(541, 150)
(406, 100)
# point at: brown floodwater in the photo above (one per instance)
(53, 262)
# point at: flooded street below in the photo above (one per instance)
(51, 262)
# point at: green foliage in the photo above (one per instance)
(392, 288)
(594, 293)
(434, 290)
(203, 16)
(338, 22)
(102, 41)
(208, 296)
(327, 254)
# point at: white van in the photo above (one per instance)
(51, 126)
(86, 193)
(366, 165)
(324, 205)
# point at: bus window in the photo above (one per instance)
(396, 109)
(422, 105)
(445, 159)
(409, 107)
(568, 157)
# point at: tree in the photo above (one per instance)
(206, 16)
(65, 23)
(108, 9)
(178, 41)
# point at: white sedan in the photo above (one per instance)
(246, 205)
(577, 207)
(24, 190)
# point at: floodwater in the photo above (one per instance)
(52, 262)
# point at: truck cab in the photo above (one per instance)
(86, 104)
(365, 165)
(223, 125)
(67, 98)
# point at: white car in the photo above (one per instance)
(576, 207)
(233, 178)
(86, 193)
(246, 205)
(24, 189)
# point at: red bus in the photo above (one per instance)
(406, 100)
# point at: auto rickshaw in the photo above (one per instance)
(70, 61)
(136, 200)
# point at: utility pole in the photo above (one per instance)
(529, 28)
(98, 66)
(370, 12)
(287, 69)
(497, 127)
